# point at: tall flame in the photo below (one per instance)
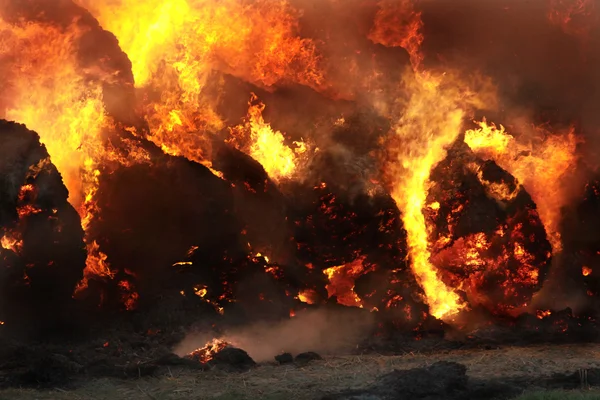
(432, 120)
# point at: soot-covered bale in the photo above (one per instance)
(156, 215)
(42, 253)
(488, 239)
(579, 275)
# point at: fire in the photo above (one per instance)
(586, 271)
(266, 145)
(541, 314)
(207, 353)
(175, 47)
(341, 282)
(542, 168)
(11, 241)
(398, 24)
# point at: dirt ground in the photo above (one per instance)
(333, 374)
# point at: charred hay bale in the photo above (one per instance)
(487, 237)
(257, 204)
(42, 254)
(441, 381)
(232, 359)
(155, 216)
(355, 245)
(579, 275)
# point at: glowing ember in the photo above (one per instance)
(586, 271)
(129, 296)
(307, 296)
(541, 314)
(341, 282)
(207, 353)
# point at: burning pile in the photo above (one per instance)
(354, 175)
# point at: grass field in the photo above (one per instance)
(562, 395)
(333, 374)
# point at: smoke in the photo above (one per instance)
(324, 331)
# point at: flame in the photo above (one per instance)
(586, 271)
(501, 192)
(307, 296)
(541, 314)
(431, 121)
(266, 145)
(50, 94)
(11, 241)
(207, 353)
(541, 168)
(129, 296)
(175, 46)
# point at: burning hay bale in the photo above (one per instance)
(358, 244)
(579, 276)
(488, 238)
(42, 253)
(219, 354)
(195, 219)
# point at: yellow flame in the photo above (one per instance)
(266, 145)
(431, 120)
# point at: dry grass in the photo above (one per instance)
(333, 374)
(561, 395)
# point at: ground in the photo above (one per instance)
(333, 374)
